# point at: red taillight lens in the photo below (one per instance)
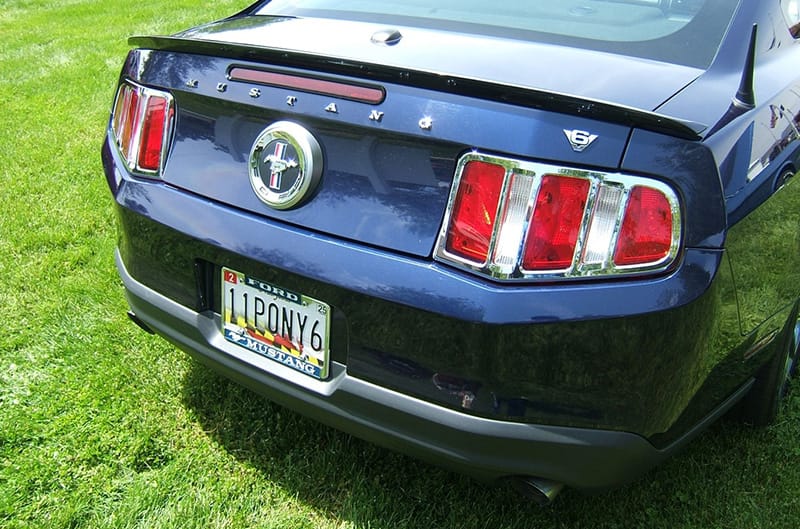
(152, 140)
(646, 233)
(130, 121)
(556, 223)
(475, 210)
(516, 220)
(141, 123)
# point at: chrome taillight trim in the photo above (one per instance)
(132, 157)
(579, 268)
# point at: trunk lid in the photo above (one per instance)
(388, 166)
(636, 83)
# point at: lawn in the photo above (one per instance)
(102, 425)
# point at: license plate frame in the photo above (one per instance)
(287, 327)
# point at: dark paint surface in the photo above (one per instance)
(473, 347)
(505, 61)
(385, 183)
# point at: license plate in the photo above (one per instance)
(284, 326)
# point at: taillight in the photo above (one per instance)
(646, 234)
(511, 219)
(151, 144)
(475, 211)
(557, 219)
(141, 125)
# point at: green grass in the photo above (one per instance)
(102, 425)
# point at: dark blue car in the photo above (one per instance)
(544, 242)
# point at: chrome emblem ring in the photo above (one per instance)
(285, 164)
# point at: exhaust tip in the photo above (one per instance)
(538, 490)
(142, 325)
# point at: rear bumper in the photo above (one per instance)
(571, 382)
(483, 448)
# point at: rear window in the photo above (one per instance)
(679, 31)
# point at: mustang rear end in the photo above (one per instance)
(474, 241)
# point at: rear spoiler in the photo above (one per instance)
(482, 89)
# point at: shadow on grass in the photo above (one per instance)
(720, 480)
